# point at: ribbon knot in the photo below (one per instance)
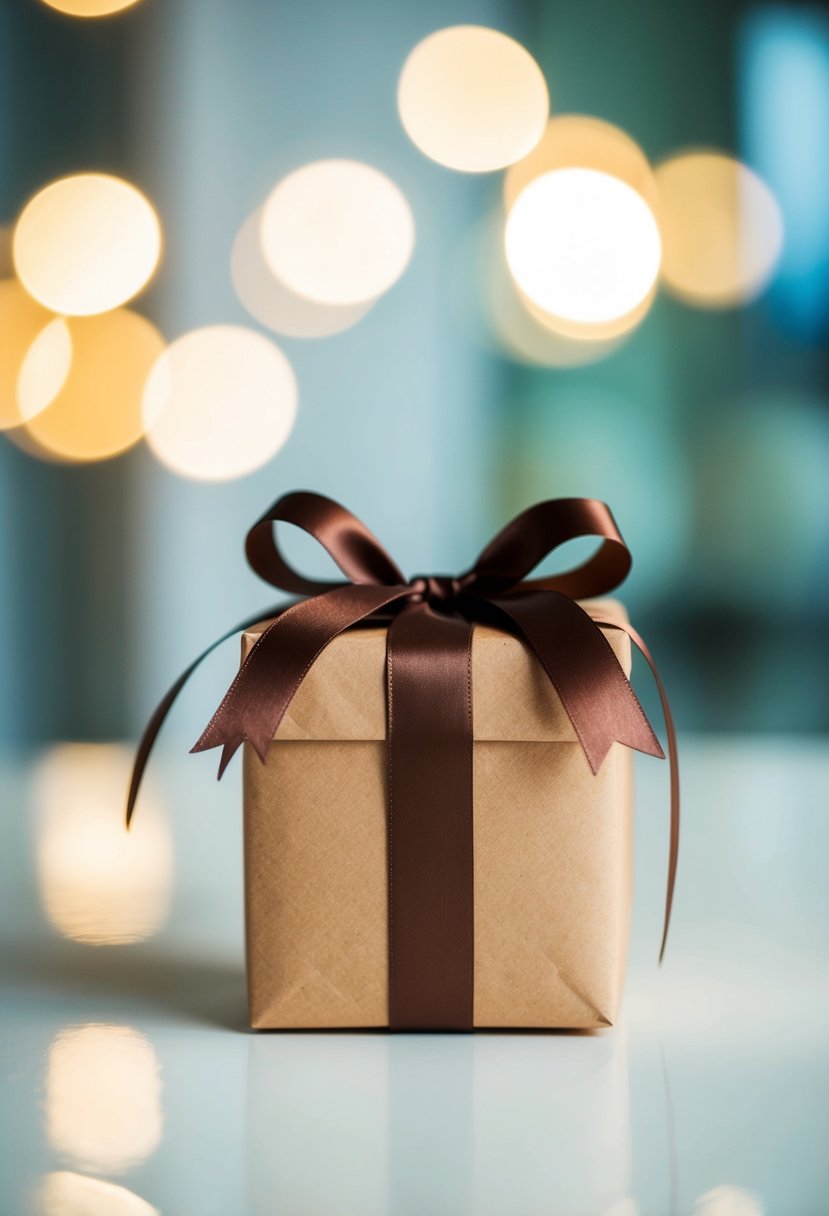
(440, 591)
(430, 619)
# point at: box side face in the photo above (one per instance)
(316, 885)
(552, 885)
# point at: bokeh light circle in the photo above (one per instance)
(86, 244)
(45, 368)
(492, 312)
(581, 141)
(337, 231)
(22, 319)
(582, 246)
(472, 99)
(219, 403)
(722, 229)
(97, 413)
(89, 8)
(275, 305)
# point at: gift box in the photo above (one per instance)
(438, 801)
(551, 847)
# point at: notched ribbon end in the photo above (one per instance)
(229, 748)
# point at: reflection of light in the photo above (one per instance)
(721, 226)
(44, 369)
(21, 320)
(103, 1097)
(219, 403)
(89, 8)
(99, 884)
(66, 1194)
(272, 303)
(582, 245)
(579, 141)
(337, 231)
(97, 413)
(86, 244)
(728, 1201)
(472, 99)
(784, 120)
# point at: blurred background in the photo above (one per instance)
(246, 251)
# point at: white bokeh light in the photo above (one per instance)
(337, 231)
(219, 403)
(583, 246)
(86, 244)
(272, 303)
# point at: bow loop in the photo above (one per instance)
(537, 532)
(355, 549)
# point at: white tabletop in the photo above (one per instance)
(129, 1084)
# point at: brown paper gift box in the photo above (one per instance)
(552, 847)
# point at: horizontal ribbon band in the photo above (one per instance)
(429, 706)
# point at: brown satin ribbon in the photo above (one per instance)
(429, 705)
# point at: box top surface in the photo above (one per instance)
(343, 696)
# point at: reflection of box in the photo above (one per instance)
(552, 848)
(491, 1124)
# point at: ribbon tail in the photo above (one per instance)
(586, 674)
(673, 765)
(264, 686)
(164, 706)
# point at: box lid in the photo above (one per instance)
(343, 696)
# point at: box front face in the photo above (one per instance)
(552, 884)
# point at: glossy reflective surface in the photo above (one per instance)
(128, 1084)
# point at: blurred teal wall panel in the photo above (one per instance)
(395, 415)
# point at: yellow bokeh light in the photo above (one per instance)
(219, 403)
(98, 884)
(6, 263)
(44, 369)
(275, 305)
(90, 8)
(580, 141)
(63, 1193)
(582, 246)
(86, 244)
(103, 1097)
(337, 231)
(22, 319)
(97, 413)
(722, 229)
(473, 99)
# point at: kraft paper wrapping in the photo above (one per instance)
(552, 846)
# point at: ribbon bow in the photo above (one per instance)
(429, 706)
